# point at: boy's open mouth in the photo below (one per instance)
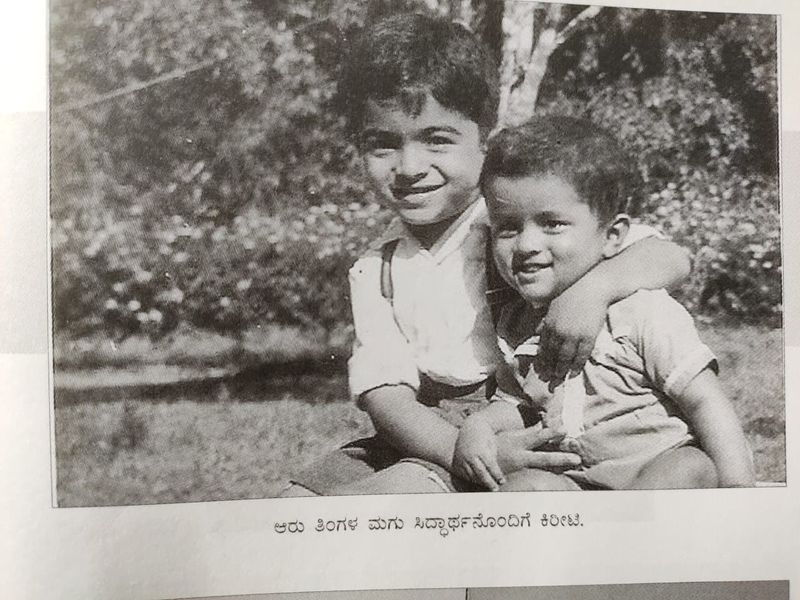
(412, 193)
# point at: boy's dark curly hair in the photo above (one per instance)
(403, 58)
(584, 155)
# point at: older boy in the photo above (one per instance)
(420, 97)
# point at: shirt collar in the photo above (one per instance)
(452, 238)
(517, 328)
(459, 229)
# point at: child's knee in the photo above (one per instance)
(692, 468)
(686, 467)
(700, 469)
(537, 480)
(402, 478)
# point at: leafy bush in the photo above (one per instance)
(224, 196)
(732, 227)
(706, 148)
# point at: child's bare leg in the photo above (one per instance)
(537, 480)
(684, 467)
(402, 478)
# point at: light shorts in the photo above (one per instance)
(615, 451)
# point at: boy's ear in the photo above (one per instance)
(616, 231)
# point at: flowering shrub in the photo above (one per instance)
(692, 150)
(732, 228)
(134, 276)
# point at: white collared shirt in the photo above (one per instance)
(438, 323)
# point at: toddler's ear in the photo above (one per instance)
(616, 231)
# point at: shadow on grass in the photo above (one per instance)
(314, 381)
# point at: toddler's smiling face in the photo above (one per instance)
(545, 236)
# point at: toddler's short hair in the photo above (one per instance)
(404, 57)
(584, 155)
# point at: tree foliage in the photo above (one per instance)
(694, 97)
(199, 174)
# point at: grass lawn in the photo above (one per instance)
(240, 443)
(123, 452)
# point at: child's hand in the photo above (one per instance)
(475, 456)
(518, 450)
(568, 332)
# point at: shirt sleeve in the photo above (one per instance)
(638, 232)
(668, 341)
(381, 354)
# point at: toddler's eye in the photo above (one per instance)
(504, 231)
(439, 140)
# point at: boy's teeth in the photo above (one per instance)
(419, 190)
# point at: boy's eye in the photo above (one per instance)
(379, 144)
(439, 140)
(554, 225)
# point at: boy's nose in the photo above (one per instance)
(411, 165)
(530, 240)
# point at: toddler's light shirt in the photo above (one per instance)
(617, 414)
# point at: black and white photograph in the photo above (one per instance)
(364, 247)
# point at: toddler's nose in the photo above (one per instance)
(530, 240)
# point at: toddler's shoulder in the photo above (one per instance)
(643, 300)
(645, 307)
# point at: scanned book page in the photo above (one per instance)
(119, 486)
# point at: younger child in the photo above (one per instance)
(420, 97)
(557, 194)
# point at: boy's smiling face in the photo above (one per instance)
(545, 237)
(424, 167)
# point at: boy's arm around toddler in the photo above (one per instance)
(574, 318)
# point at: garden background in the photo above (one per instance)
(206, 205)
